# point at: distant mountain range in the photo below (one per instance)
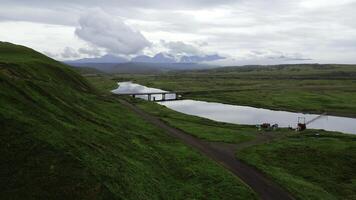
(104, 59)
(145, 64)
(141, 67)
(158, 58)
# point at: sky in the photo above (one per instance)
(242, 31)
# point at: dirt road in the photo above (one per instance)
(265, 188)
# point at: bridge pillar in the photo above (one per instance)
(163, 96)
(149, 97)
(133, 95)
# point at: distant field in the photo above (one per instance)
(306, 88)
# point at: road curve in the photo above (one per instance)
(265, 188)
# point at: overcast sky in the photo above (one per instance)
(243, 31)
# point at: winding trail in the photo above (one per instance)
(224, 155)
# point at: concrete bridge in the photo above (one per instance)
(177, 95)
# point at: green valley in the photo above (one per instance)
(63, 135)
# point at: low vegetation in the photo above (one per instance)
(62, 139)
(312, 165)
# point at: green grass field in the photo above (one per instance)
(61, 138)
(310, 166)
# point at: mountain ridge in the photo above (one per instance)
(158, 58)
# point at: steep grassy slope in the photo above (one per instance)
(61, 140)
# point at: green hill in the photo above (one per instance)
(59, 139)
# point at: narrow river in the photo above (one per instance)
(241, 114)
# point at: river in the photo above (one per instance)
(241, 114)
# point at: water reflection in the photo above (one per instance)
(240, 114)
(129, 87)
(251, 116)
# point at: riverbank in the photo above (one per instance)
(239, 114)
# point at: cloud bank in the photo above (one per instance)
(112, 34)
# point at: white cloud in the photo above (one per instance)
(91, 51)
(105, 31)
(69, 52)
(51, 39)
(315, 4)
(179, 47)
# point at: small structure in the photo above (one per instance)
(267, 126)
(274, 126)
(301, 126)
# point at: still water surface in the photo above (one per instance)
(241, 114)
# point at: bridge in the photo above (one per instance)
(177, 95)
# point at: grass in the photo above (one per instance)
(306, 88)
(199, 127)
(61, 138)
(312, 165)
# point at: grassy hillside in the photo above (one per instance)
(308, 88)
(60, 139)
